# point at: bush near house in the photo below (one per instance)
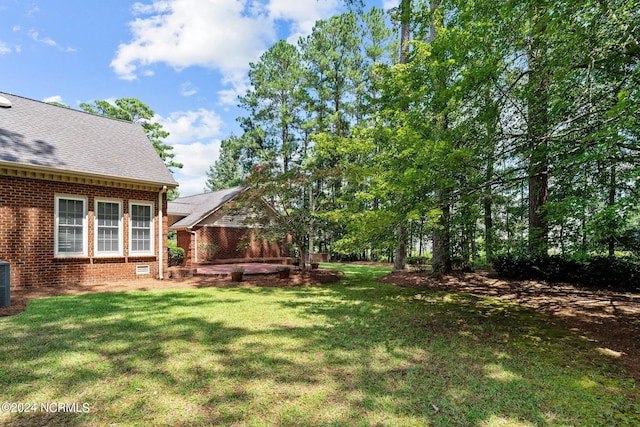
(176, 256)
(600, 272)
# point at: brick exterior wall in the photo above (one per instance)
(226, 240)
(27, 234)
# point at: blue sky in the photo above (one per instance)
(186, 59)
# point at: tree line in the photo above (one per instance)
(463, 129)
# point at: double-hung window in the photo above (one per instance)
(140, 228)
(108, 228)
(71, 226)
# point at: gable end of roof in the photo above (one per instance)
(35, 135)
(200, 206)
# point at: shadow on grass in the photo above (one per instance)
(351, 353)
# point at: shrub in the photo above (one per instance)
(481, 263)
(418, 260)
(207, 251)
(176, 256)
(462, 263)
(172, 243)
(600, 272)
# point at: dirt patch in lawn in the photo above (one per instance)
(21, 296)
(612, 319)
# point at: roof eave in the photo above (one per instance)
(217, 208)
(53, 174)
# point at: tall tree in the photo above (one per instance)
(442, 236)
(335, 68)
(539, 80)
(519, 115)
(377, 51)
(275, 101)
(404, 12)
(229, 170)
(332, 55)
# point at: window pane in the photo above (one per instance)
(108, 240)
(108, 227)
(141, 240)
(141, 223)
(70, 239)
(141, 216)
(70, 212)
(108, 214)
(70, 231)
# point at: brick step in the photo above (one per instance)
(279, 260)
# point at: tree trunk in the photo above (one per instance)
(474, 249)
(285, 155)
(488, 228)
(538, 195)
(405, 29)
(487, 201)
(421, 235)
(611, 241)
(537, 130)
(401, 250)
(405, 34)
(442, 243)
(442, 234)
(303, 257)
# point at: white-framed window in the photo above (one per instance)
(108, 227)
(141, 228)
(70, 237)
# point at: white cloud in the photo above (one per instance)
(195, 137)
(143, 9)
(229, 96)
(190, 185)
(239, 83)
(4, 49)
(196, 157)
(181, 33)
(225, 35)
(187, 126)
(49, 41)
(302, 14)
(36, 36)
(187, 89)
(56, 98)
(390, 4)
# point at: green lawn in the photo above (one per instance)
(353, 353)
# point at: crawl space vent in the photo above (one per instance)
(143, 269)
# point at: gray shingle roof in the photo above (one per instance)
(200, 206)
(35, 133)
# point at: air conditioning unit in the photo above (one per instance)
(5, 285)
